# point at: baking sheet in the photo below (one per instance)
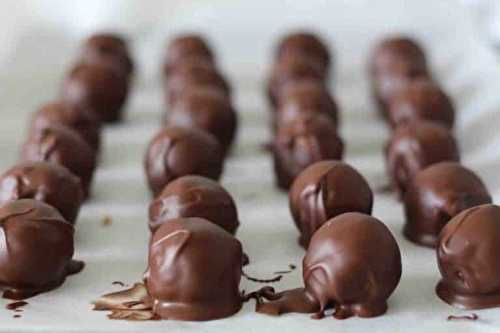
(44, 41)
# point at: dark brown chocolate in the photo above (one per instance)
(306, 44)
(292, 69)
(308, 96)
(206, 109)
(60, 113)
(415, 146)
(421, 99)
(353, 264)
(97, 88)
(437, 194)
(324, 190)
(64, 146)
(36, 249)
(194, 196)
(189, 47)
(180, 151)
(188, 75)
(300, 142)
(194, 271)
(108, 49)
(43, 181)
(467, 255)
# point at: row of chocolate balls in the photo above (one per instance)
(41, 197)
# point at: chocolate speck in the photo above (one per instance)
(16, 316)
(15, 305)
(471, 317)
(107, 221)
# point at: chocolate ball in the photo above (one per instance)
(352, 266)
(300, 142)
(436, 195)
(194, 196)
(353, 263)
(305, 96)
(292, 69)
(43, 181)
(187, 46)
(37, 249)
(413, 147)
(180, 151)
(467, 255)
(421, 100)
(324, 190)
(63, 146)
(60, 113)
(97, 88)
(194, 271)
(208, 110)
(189, 75)
(108, 49)
(306, 44)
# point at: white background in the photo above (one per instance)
(39, 40)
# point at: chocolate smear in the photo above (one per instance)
(471, 317)
(16, 305)
(272, 280)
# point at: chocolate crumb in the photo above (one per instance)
(292, 266)
(107, 221)
(16, 316)
(471, 317)
(15, 305)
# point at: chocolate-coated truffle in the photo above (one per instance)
(324, 190)
(108, 49)
(97, 88)
(194, 196)
(188, 75)
(300, 142)
(413, 147)
(396, 62)
(206, 109)
(60, 113)
(306, 44)
(437, 194)
(421, 100)
(304, 96)
(467, 253)
(184, 47)
(43, 181)
(352, 265)
(194, 271)
(289, 70)
(62, 145)
(180, 151)
(37, 249)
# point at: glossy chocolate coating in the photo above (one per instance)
(467, 253)
(292, 69)
(63, 146)
(436, 195)
(396, 62)
(184, 47)
(180, 151)
(60, 113)
(188, 75)
(307, 139)
(324, 190)
(352, 265)
(194, 271)
(97, 88)
(108, 49)
(308, 96)
(194, 196)
(304, 43)
(43, 181)
(37, 248)
(415, 146)
(208, 110)
(422, 99)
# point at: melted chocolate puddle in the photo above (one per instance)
(471, 317)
